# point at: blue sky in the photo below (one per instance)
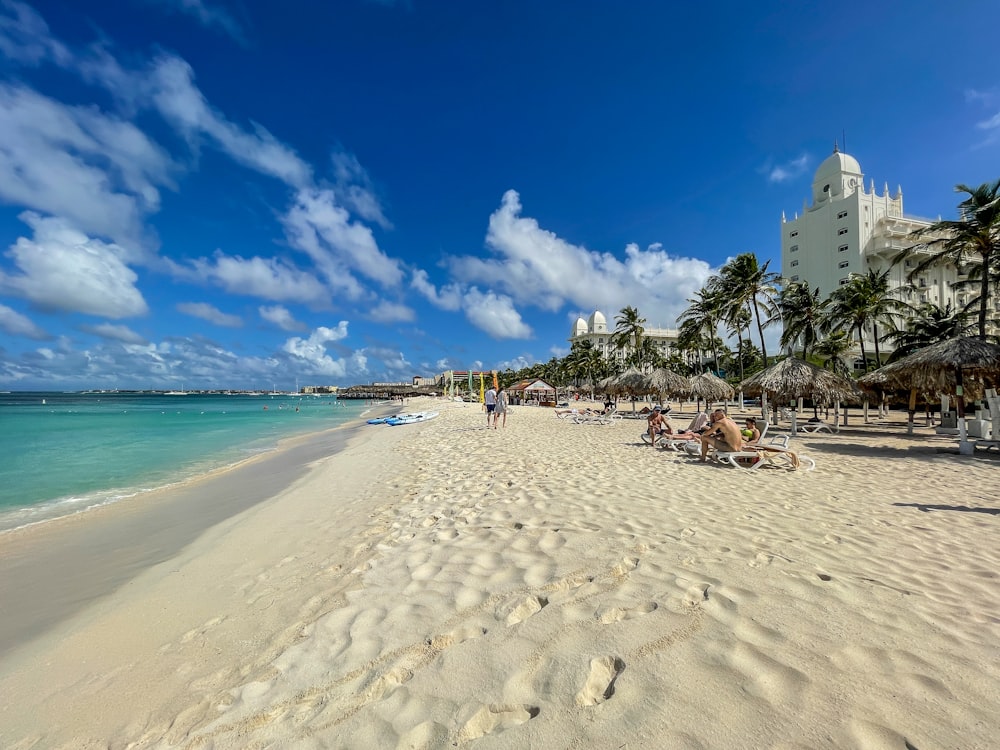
(247, 193)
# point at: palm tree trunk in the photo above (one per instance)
(984, 297)
(864, 356)
(760, 330)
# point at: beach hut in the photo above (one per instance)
(663, 381)
(793, 378)
(533, 392)
(958, 367)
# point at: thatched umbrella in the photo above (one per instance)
(663, 381)
(794, 378)
(709, 387)
(948, 368)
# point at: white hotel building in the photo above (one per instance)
(846, 230)
(595, 330)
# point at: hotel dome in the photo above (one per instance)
(597, 323)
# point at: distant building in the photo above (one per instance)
(595, 330)
(846, 230)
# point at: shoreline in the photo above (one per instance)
(550, 585)
(40, 590)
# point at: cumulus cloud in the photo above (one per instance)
(15, 324)
(61, 268)
(536, 267)
(281, 317)
(76, 162)
(789, 170)
(320, 227)
(210, 313)
(311, 353)
(112, 332)
(495, 314)
(448, 297)
(391, 312)
(268, 278)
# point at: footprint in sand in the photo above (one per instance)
(696, 594)
(616, 614)
(604, 671)
(521, 609)
(496, 718)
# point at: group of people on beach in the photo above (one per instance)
(715, 430)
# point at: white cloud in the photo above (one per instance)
(391, 312)
(63, 269)
(354, 188)
(320, 227)
(495, 314)
(536, 267)
(79, 163)
(449, 297)
(171, 88)
(25, 37)
(15, 324)
(789, 170)
(120, 333)
(311, 355)
(208, 16)
(281, 317)
(210, 313)
(268, 278)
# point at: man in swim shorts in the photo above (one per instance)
(491, 404)
(723, 434)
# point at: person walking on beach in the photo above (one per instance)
(723, 434)
(491, 405)
(501, 408)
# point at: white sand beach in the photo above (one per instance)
(548, 585)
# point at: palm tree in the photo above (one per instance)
(701, 319)
(628, 329)
(865, 300)
(832, 350)
(976, 233)
(929, 324)
(801, 312)
(746, 283)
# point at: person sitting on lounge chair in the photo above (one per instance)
(658, 423)
(723, 434)
(750, 433)
(698, 424)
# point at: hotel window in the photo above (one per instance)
(794, 263)
(844, 264)
(909, 263)
(843, 230)
(794, 234)
(842, 214)
(843, 281)
(923, 297)
(793, 249)
(923, 282)
(842, 249)
(796, 278)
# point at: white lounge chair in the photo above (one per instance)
(774, 453)
(694, 446)
(811, 427)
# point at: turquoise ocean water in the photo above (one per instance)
(61, 453)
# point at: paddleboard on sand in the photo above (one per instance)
(411, 418)
(383, 420)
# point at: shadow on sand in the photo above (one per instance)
(925, 508)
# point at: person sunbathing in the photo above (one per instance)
(723, 434)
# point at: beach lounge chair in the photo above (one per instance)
(811, 427)
(775, 453)
(694, 447)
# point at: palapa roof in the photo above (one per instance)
(934, 369)
(710, 387)
(794, 378)
(662, 380)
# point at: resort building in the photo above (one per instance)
(595, 330)
(846, 230)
